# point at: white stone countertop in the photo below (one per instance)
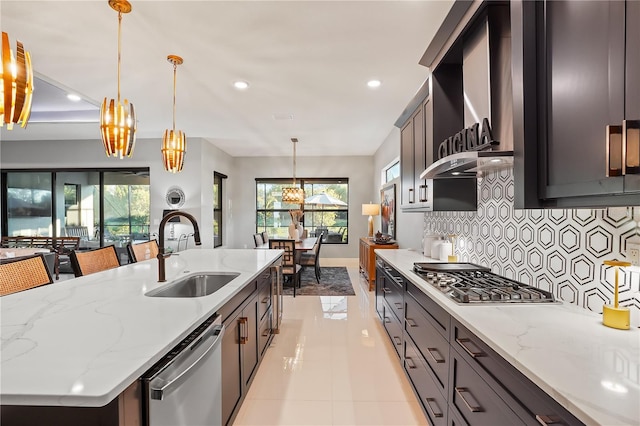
(591, 370)
(81, 342)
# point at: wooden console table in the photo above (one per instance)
(368, 259)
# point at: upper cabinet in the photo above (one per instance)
(576, 71)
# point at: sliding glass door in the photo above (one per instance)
(102, 207)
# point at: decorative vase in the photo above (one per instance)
(293, 231)
(300, 231)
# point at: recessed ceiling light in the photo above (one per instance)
(240, 85)
(73, 97)
(374, 83)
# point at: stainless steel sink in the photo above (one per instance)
(195, 285)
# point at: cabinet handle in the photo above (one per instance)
(266, 333)
(423, 193)
(631, 146)
(243, 325)
(411, 196)
(410, 363)
(398, 340)
(430, 407)
(476, 354)
(438, 360)
(398, 305)
(266, 299)
(545, 420)
(386, 290)
(471, 404)
(411, 322)
(387, 320)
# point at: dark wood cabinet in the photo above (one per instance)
(576, 72)
(247, 318)
(474, 400)
(458, 379)
(432, 400)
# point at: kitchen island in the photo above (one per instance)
(589, 369)
(82, 342)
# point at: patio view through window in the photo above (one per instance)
(102, 207)
(325, 208)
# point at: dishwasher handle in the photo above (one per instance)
(185, 361)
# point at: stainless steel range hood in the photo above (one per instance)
(468, 164)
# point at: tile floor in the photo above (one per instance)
(331, 364)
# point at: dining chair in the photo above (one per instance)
(63, 246)
(312, 257)
(142, 251)
(23, 273)
(257, 239)
(289, 266)
(90, 261)
(265, 237)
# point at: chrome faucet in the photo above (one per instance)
(161, 250)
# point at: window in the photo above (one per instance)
(391, 171)
(217, 209)
(104, 207)
(326, 209)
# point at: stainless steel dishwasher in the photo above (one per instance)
(184, 388)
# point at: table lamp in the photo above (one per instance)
(370, 210)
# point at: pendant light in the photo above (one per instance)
(17, 85)
(118, 120)
(293, 194)
(174, 142)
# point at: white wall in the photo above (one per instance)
(409, 226)
(359, 170)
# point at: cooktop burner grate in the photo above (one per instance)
(481, 286)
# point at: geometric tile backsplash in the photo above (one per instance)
(558, 250)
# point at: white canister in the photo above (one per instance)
(435, 248)
(445, 250)
(428, 241)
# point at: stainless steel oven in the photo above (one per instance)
(184, 388)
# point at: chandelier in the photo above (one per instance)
(174, 142)
(293, 194)
(17, 85)
(118, 120)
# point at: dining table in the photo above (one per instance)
(303, 245)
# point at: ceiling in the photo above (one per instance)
(307, 63)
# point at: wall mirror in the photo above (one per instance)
(175, 197)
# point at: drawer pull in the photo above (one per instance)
(411, 322)
(476, 354)
(398, 305)
(433, 412)
(410, 362)
(266, 333)
(244, 322)
(398, 340)
(266, 299)
(438, 360)
(471, 403)
(386, 290)
(548, 420)
(387, 320)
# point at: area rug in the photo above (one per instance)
(334, 281)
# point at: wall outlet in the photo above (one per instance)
(633, 254)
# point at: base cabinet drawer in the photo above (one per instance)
(433, 347)
(473, 398)
(434, 403)
(393, 328)
(394, 295)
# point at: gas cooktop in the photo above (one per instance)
(470, 283)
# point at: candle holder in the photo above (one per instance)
(616, 316)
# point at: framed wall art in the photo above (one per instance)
(388, 210)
